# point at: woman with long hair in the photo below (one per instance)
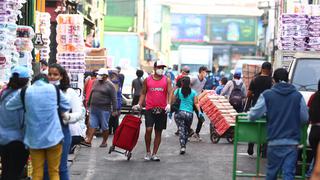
(58, 76)
(13, 152)
(184, 117)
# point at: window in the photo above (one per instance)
(306, 74)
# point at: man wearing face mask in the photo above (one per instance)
(103, 99)
(197, 84)
(156, 91)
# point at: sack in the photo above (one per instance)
(236, 97)
(176, 105)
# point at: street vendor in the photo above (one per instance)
(286, 112)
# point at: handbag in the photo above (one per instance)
(176, 105)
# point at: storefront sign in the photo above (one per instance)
(188, 28)
(38, 42)
(233, 29)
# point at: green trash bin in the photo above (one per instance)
(256, 132)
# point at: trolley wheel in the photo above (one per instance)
(214, 138)
(112, 148)
(230, 139)
(129, 155)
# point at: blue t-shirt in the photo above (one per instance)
(186, 103)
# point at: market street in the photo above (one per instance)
(203, 160)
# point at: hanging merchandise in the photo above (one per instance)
(42, 37)
(24, 45)
(9, 57)
(71, 47)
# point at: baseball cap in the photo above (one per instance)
(22, 71)
(103, 71)
(159, 63)
(237, 74)
(203, 68)
(186, 69)
(266, 65)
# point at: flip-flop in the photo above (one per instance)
(103, 145)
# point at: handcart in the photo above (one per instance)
(256, 132)
(215, 137)
(126, 135)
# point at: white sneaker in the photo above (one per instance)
(182, 150)
(155, 158)
(148, 157)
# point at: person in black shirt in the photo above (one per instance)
(259, 84)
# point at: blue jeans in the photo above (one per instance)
(99, 118)
(64, 173)
(281, 158)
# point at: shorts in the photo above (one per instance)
(99, 118)
(159, 120)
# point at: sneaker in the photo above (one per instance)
(155, 158)
(147, 157)
(197, 137)
(85, 143)
(182, 150)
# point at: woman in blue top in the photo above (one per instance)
(184, 116)
(13, 152)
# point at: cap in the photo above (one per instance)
(22, 71)
(237, 74)
(103, 71)
(185, 69)
(159, 63)
(118, 68)
(266, 65)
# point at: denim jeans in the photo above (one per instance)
(281, 158)
(63, 169)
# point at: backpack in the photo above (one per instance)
(236, 97)
(23, 94)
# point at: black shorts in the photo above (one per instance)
(159, 120)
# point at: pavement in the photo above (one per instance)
(203, 160)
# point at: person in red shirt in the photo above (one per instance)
(314, 118)
(184, 72)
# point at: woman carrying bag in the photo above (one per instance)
(184, 114)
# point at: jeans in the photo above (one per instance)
(184, 121)
(200, 120)
(53, 157)
(14, 157)
(63, 169)
(284, 158)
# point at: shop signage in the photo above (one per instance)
(233, 29)
(188, 28)
(38, 42)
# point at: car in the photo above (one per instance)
(126, 103)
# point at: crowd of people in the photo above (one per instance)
(47, 118)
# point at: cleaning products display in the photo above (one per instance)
(71, 47)
(43, 30)
(9, 12)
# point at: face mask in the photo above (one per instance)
(99, 77)
(159, 72)
(57, 83)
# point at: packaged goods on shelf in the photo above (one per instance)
(249, 72)
(218, 110)
(43, 28)
(9, 57)
(24, 45)
(71, 47)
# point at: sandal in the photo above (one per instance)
(85, 143)
(103, 145)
